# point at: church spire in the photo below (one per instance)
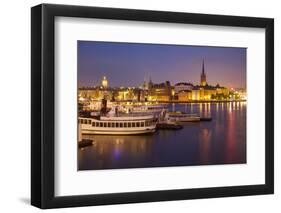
(203, 75)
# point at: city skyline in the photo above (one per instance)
(130, 64)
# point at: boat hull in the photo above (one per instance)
(117, 132)
(186, 119)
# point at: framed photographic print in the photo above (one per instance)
(139, 106)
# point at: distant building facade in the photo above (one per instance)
(208, 92)
(149, 91)
(160, 92)
(184, 95)
(181, 86)
(96, 92)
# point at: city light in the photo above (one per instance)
(163, 92)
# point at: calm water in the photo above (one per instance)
(220, 141)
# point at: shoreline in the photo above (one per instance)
(202, 101)
(183, 102)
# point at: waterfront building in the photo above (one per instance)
(160, 92)
(205, 92)
(209, 92)
(88, 93)
(127, 94)
(185, 95)
(239, 93)
(181, 86)
(222, 90)
(149, 91)
(94, 93)
(195, 94)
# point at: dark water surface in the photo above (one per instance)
(220, 141)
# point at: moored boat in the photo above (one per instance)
(149, 108)
(183, 117)
(114, 123)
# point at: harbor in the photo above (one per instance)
(221, 140)
(156, 105)
(133, 120)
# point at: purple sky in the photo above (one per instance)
(128, 64)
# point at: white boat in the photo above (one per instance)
(183, 117)
(149, 108)
(123, 124)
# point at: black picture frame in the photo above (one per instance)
(43, 110)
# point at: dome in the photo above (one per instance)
(104, 82)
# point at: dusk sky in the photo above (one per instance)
(129, 64)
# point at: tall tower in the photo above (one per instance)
(203, 81)
(104, 82)
(150, 84)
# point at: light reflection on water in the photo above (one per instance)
(220, 141)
